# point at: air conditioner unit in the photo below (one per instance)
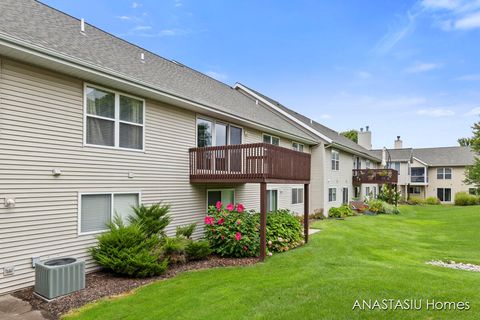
(58, 277)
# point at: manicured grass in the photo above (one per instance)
(368, 257)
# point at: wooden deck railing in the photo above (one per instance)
(257, 162)
(376, 176)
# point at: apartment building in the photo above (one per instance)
(430, 172)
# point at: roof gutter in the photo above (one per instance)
(85, 67)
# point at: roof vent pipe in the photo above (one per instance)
(142, 56)
(366, 128)
(82, 25)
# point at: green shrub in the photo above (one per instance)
(416, 201)
(231, 231)
(152, 220)
(340, 212)
(198, 250)
(432, 201)
(317, 215)
(186, 231)
(465, 199)
(126, 250)
(284, 231)
(389, 194)
(173, 250)
(382, 207)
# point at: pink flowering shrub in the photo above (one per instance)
(232, 231)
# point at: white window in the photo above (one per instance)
(367, 164)
(297, 146)
(444, 173)
(367, 191)
(213, 133)
(297, 195)
(98, 209)
(113, 119)
(335, 160)
(271, 139)
(332, 194)
(444, 194)
(395, 165)
(414, 190)
(225, 196)
(474, 191)
(272, 200)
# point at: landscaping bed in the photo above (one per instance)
(102, 284)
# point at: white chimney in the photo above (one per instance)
(82, 25)
(398, 143)
(365, 138)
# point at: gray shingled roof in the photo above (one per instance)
(330, 133)
(440, 156)
(41, 25)
(445, 156)
(401, 155)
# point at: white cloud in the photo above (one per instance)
(436, 112)
(217, 75)
(401, 28)
(364, 75)
(471, 21)
(178, 3)
(136, 5)
(441, 4)
(325, 116)
(172, 32)
(473, 112)
(419, 67)
(126, 18)
(142, 28)
(469, 77)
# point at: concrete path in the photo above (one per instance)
(12, 308)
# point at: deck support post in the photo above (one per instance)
(263, 220)
(306, 209)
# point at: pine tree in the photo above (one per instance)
(472, 173)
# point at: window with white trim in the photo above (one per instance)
(98, 209)
(297, 195)
(272, 200)
(271, 139)
(335, 160)
(225, 196)
(444, 173)
(367, 164)
(113, 119)
(297, 146)
(332, 194)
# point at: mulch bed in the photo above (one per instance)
(102, 284)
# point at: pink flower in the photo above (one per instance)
(240, 208)
(239, 221)
(238, 236)
(219, 205)
(209, 220)
(220, 221)
(223, 237)
(230, 207)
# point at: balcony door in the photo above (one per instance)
(235, 154)
(345, 196)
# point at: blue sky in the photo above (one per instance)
(408, 68)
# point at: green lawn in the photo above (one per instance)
(367, 257)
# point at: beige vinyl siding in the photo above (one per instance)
(456, 184)
(41, 128)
